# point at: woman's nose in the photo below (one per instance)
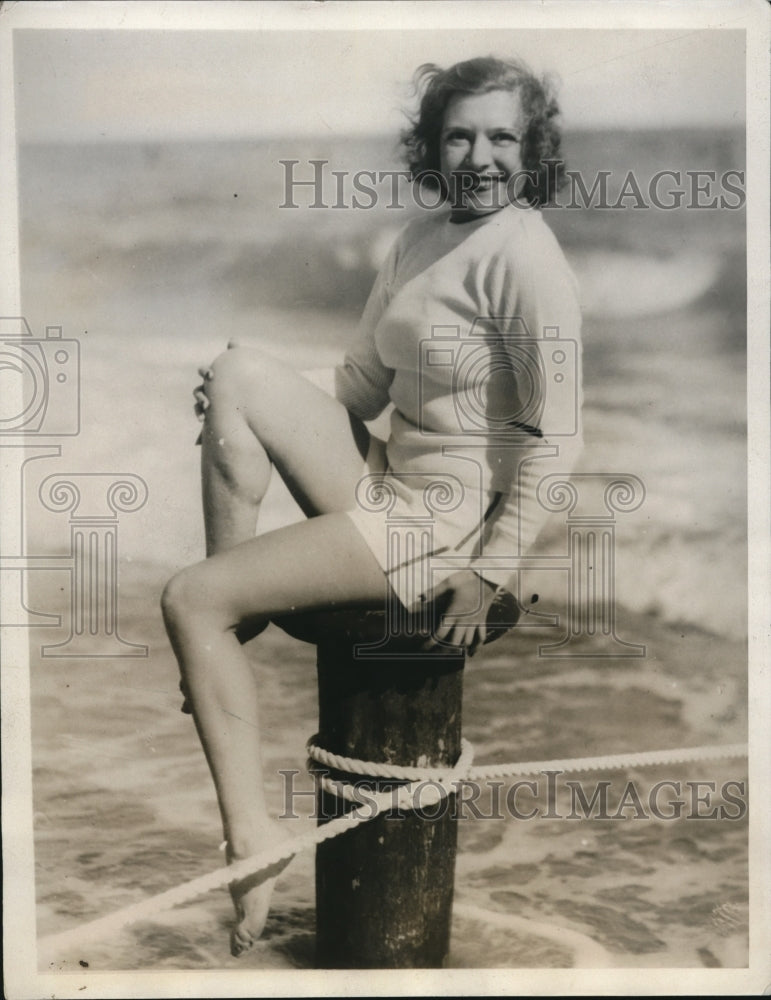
(481, 154)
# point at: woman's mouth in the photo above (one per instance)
(479, 192)
(487, 180)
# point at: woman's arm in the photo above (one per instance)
(534, 286)
(362, 380)
(538, 289)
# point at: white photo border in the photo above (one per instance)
(21, 976)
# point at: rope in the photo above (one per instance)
(258, 864)
(609, 762)
(440, 778)
(437, 776)
(605, 762)
(373, 769)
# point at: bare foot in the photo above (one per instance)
(251, 895)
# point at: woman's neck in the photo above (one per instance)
(461, 216)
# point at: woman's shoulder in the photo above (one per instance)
(524, 222)
(412, 237)
(423, 226)
(524, 235)
(528, 253)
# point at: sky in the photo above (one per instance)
(94, 84)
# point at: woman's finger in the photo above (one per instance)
(460, 637)
(438, 635)
(442, 631)
(468, 639)
(455, 636)
(473, 646)
(206, 374)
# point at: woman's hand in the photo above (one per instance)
(202, 401)
(461, 604)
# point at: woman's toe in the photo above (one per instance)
(241, 940)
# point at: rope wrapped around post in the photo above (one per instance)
(437, 780)
(56, 945)
(384, 895)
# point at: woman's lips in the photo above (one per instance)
(488, 192)
(486, 181)
(480, 191)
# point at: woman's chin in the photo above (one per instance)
(484, 200)
(476, 210)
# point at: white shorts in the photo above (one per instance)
(423, 526)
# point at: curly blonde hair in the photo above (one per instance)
(542, 138)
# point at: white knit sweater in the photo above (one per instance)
(472, 331)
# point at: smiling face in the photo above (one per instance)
(480, 151)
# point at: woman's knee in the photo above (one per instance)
(236, 375)
(184, 599)
(193, 599)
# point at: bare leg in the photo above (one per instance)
(319, 563)
(262, 413)
(235, 472)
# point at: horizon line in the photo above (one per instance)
(90, 139)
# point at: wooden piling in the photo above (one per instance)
(384, 890)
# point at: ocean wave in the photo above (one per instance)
(616, 285)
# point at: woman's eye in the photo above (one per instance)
(504, 138)
(455, 138)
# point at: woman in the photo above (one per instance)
(452, 336)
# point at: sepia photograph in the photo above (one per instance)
(384, 549)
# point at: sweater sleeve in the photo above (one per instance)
(362, 380)
(534, 286)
